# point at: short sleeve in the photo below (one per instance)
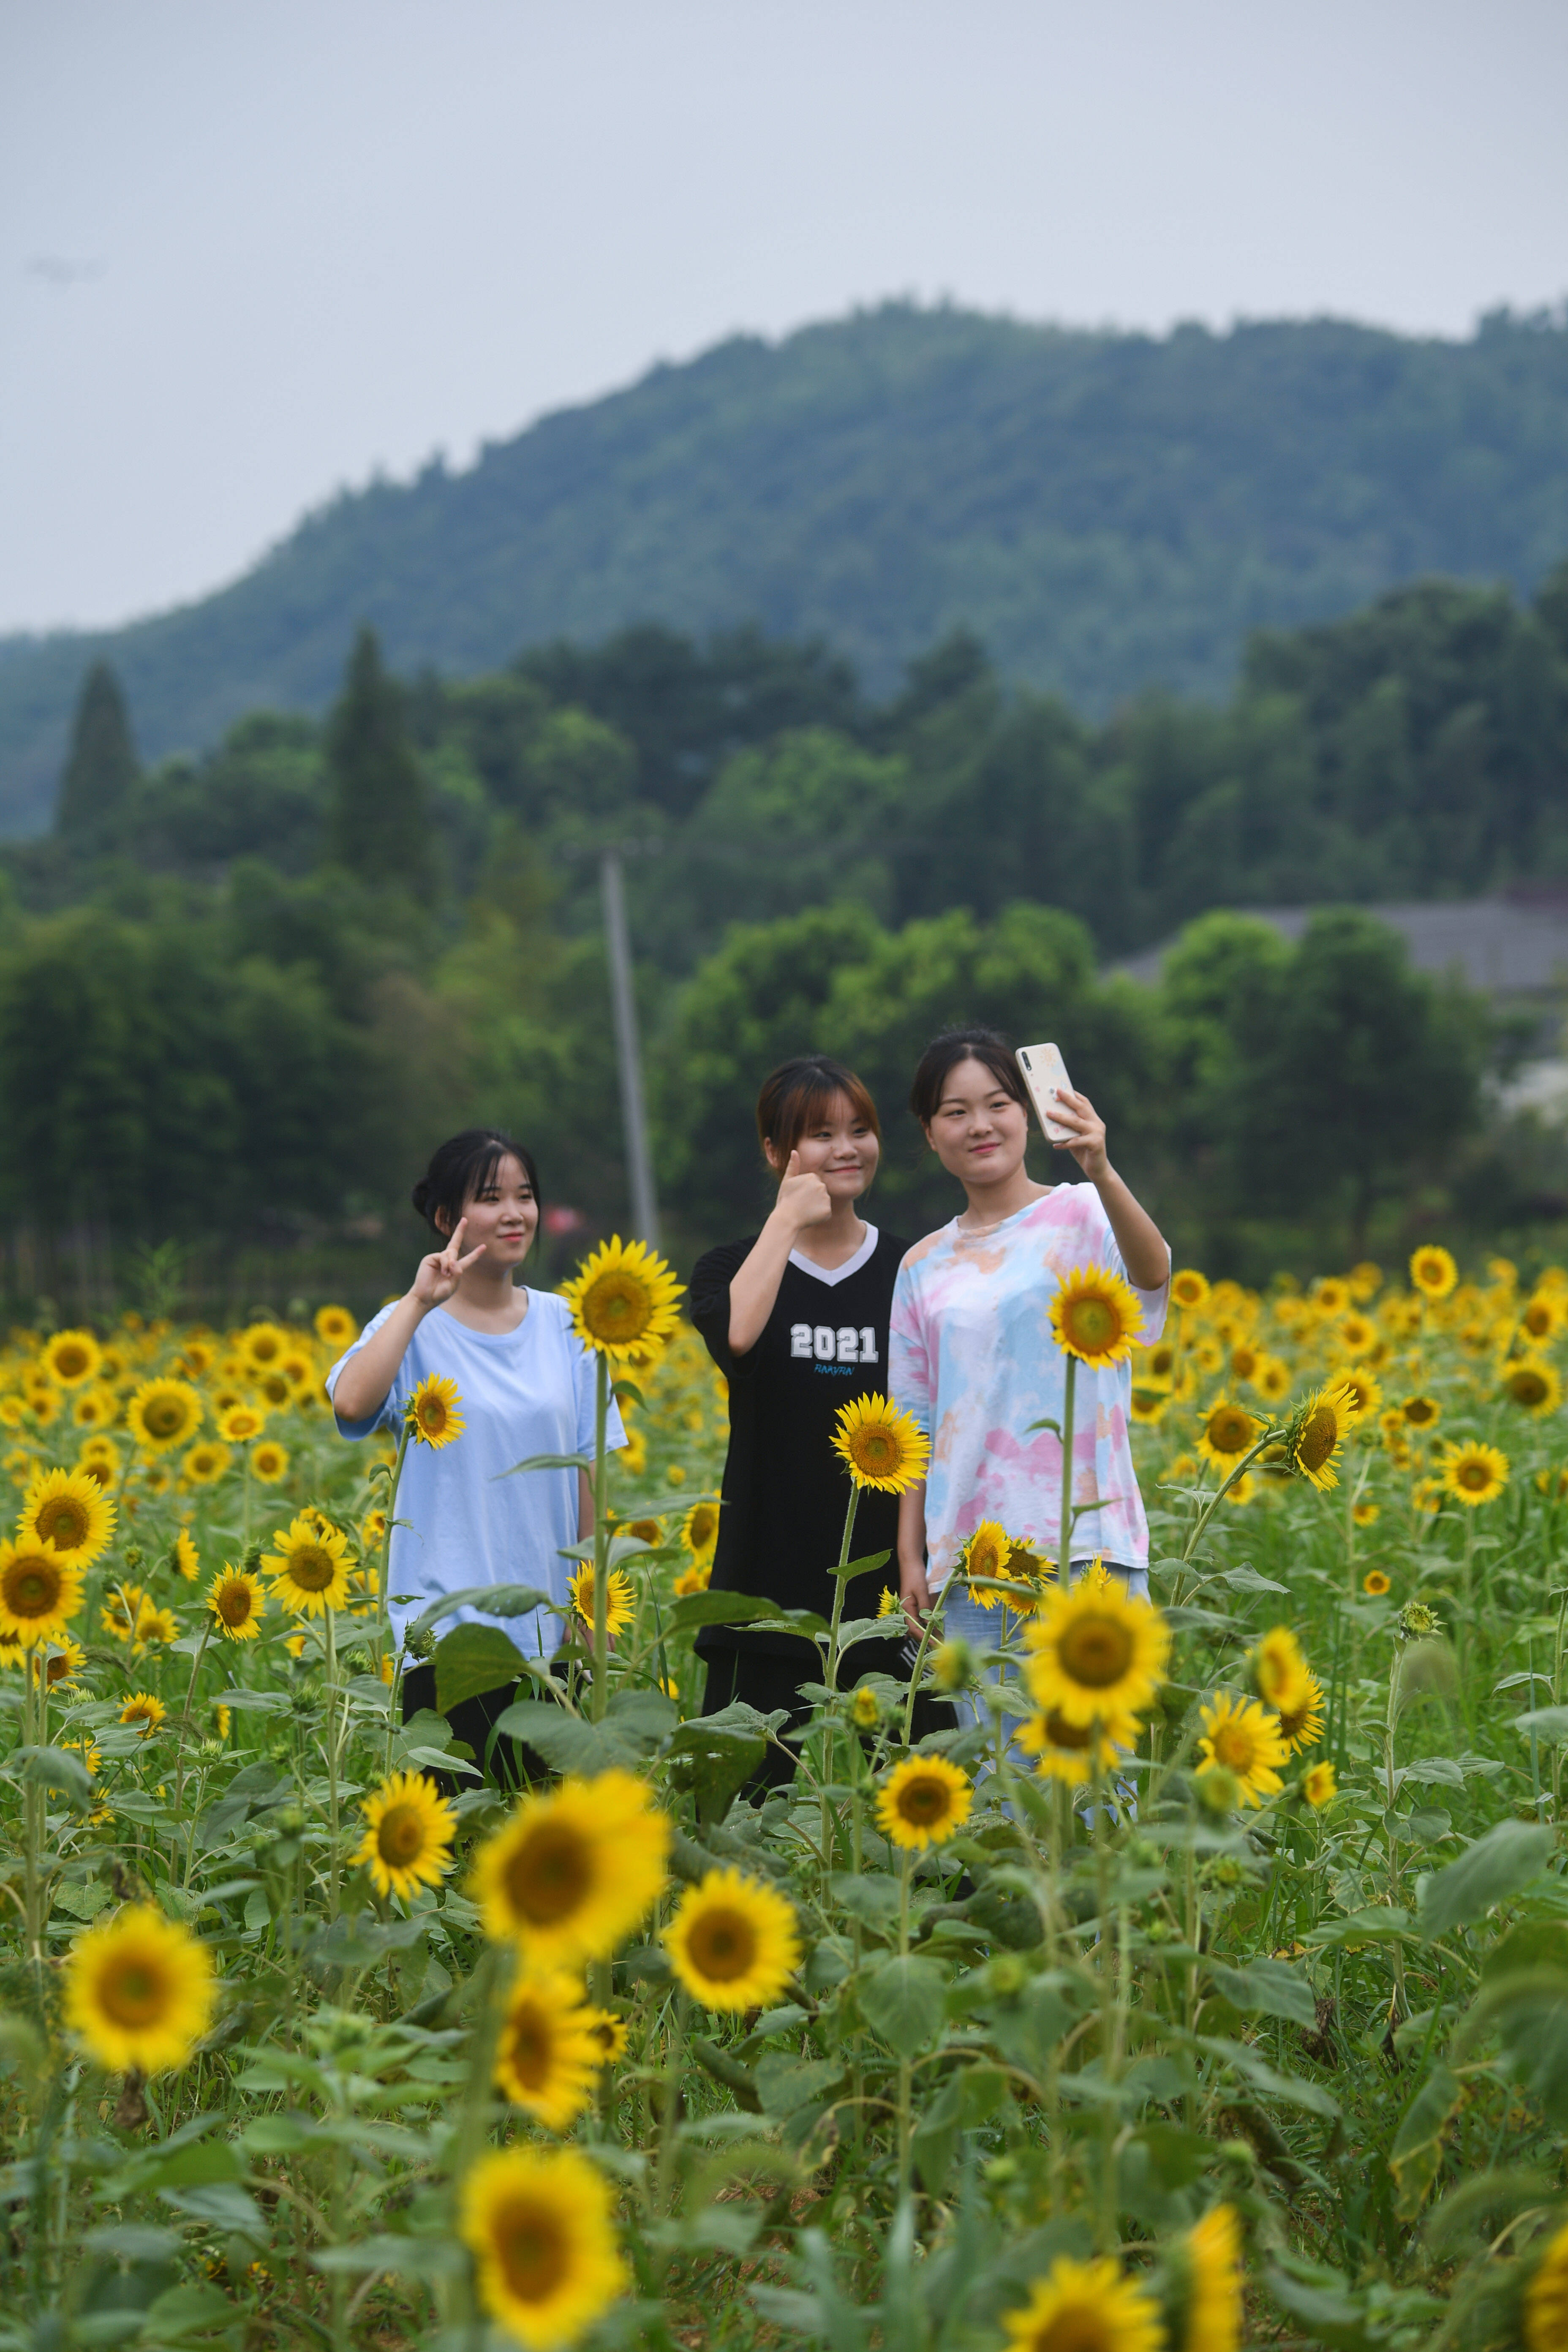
(909, 1360)
(385, 1415)
(707, 1300)
(586, 1378)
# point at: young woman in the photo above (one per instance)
(796, 1319)
(973, 1356)
(526, 1386)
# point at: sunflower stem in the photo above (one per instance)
(491, 1978)
(383, 1598)
(1064, 1547)
(1273, 1431)
(933, 1619)
(601, 1542)
(331, 1696)
(906, 2070)
(829, 1742)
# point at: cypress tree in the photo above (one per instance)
(378, 822)
(102, 766)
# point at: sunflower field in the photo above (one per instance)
(1205, 1982)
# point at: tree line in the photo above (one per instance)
(253, 985)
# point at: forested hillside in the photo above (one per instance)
(1104, 512)
(242, 995)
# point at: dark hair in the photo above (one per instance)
(798, 1092)
(943, 1055)
(463, 1166)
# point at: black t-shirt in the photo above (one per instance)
(786, 1489)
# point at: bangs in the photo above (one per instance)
(800, 1094)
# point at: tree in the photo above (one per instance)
(102, 766)
(378, 817)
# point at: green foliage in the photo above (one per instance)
(102, 767)
(378, 822)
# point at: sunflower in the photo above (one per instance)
(733, 1942)
(574, 1870)
(923, 1801)
(1427, 1494)
(1095, 1654)
(1357, 1334)
(123, 1604)
(145, 1711)
(1316, 1434)
(620, 1597)
(95, 1408)
(140, 1990)
(71, 1358)
(335, 1327)
(1025, 1571)
(610, 2033)
(1242, 1738)
(1157, 1365)
(1474, 1472)
(72, 1511)
(41, 1592)
(1279, 1674)
(1545, 2306)
(1432, 1272)
(1533, 1383)
(1095, 1315)
(548, 2056)
(985, 1555)
(1272, 1379)
(694, 1579)
(163, 1414)
(262, 1345)
(1071, 1752)
(883, 1447)
(1227, 1431)
(240, 1422)
(205, 1465)
(1148, 1405)
(1189, 1289)
(237, 1602)
(310, 1571)
(45, 1404)
(1085, 2307)
(156, 1626)
(1301, 1723)
(699, 1531)
(432, 1412)
(64, 1665)
(623, 1294)
(1365, 1515)
(407, 1843)
(538, 2222)
(648, 1531)
(1208, 2263)
(269, 1462)
(1376, 1582)
(1541, 1316)
(1358, 1383)
(1245, 1360)
(1319, 1785)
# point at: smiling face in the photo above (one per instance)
(979, 1131)
(839, 1145)
(502, 1216)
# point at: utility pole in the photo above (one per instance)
(634, 1118)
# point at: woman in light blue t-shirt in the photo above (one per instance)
(526, 1385)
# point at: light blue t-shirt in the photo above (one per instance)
(526, 1391)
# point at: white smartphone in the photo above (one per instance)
(1044, 1072)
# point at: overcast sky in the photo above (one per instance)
(251, 253)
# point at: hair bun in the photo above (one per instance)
(420, 1196)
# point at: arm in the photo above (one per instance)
(754, 1285)
(584, 1507)
(1145, 1253)
(913, 1589)
(366, 1380)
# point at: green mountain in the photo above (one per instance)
(1105, 511)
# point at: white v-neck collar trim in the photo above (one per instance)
(832, 1275)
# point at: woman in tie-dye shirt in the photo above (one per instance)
(972, 1354)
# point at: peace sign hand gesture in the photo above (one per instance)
(440, 1272)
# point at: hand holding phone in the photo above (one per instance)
(1045, 1075)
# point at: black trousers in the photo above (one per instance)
(768, 1682)
(472, 1721)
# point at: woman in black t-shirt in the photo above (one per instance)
(796, 1319)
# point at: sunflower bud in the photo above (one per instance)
(1219, 1790)
(867, 1708)
(421, 1646)
(954, 1665)
(1416, 1622)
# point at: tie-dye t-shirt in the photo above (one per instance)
(972, 1357)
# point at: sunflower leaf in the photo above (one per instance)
(472, 1659)
(495, 1600)
(719, 1609)
(1502, 1864)
(549, 1462)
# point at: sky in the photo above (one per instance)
(250, 254)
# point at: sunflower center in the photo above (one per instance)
(532, 2247)
(724, 1945)
(1528, 1388)
(1473, 1477)
(1074, 2329)
(986, 1561)
(1092, 1324)
(703, 1527)
(923, 1802)
(1229, 1431)
(1319, 1438)
(1096, 1652)
(312, 1568)
(264, 1350)
(1291, 1719)
(1232, 1746)
(134, 1994)
(533, 2047)
(32, 1588)
(234, 1604)
(618, 1308)
(1063, 1734)
(433, 1414)
(550, 1877)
